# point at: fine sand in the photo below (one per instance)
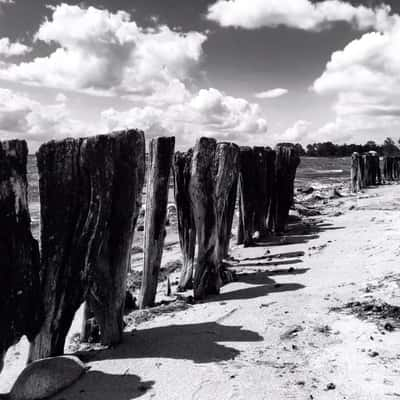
(276, 333)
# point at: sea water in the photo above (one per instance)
(317, 172)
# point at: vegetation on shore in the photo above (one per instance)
(329, 149)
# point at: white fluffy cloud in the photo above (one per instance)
(108, 53)
(298, 132)
(10, 49)
(271, 94)
(22, 117)
(365, 77)
(208, 113)
(300, 14)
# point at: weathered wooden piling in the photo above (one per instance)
(201, 189)
(248, 194)
(186, 225)
(227, 161)
(286, 163)
(213, 196)
(260, 207)
(161, 154)
(89, 204)
(391, 168)
(355, 173)
(20, 306)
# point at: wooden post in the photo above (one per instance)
(355, 164)
(248, 193)
(89, 203)
(227, 157)
(367, 170)
(386, 169)
(186, 225)
(231, 206)
(260, 208)
(161, 154)
(240, 233)
(286, 163)
(20, 306)
(201, 189)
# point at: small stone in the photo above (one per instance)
(44, 378)
(330, 386)
(388, 327)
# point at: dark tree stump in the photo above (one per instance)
(201, 189)
(161, 154)
(286, 163)
(20, 309)
(248, 193)
(227, 160)
(186, 225)
(89, 194)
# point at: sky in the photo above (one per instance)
(255, 72)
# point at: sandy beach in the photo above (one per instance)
(282, 331)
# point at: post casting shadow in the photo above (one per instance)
(256, 291)
(96, 385)
(196, 342)
(262, 278)
(269, 264)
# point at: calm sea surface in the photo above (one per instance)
(314, 172)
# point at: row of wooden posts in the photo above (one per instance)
(90, 195)
(366, 170)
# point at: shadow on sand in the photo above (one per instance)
(257, 291)
(263, 277)
(196, 342)
(96, 385)
(269, 263)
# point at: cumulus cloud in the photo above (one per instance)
(208, 113)
(299, 132)
(22, 117)
(101, 52)
(365, 77)
(271, 94)
(300, 14)
(10, 49)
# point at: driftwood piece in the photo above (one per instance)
(19, 253)
(227, 160)
(248, 193)
(201, 189)
(286, 163)
(89, 194)
(186, 225)
(161, 154)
